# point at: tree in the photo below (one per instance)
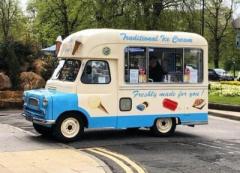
(57, 17)
(11, 65)
(108, 13)
(8, 16)
(190, 15)
(135, 14)
(152, 11)
(219, 17)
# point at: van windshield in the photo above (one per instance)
(67, 70)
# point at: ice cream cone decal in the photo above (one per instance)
(102, 108)
(95, 102)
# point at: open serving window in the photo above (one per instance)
(163, 65)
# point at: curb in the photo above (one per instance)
(222, 115)
(100, 163)
(224, 107)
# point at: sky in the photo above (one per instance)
(23, 4)
(236, 7)
(236, 12)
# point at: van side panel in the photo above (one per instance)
(146, 120)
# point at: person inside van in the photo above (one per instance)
(156, 72)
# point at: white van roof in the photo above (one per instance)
(91, 39)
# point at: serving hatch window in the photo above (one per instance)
(135, 64)
(163, 65)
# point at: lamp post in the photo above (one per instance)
(234, 67)
(203, 22)
(236, 25)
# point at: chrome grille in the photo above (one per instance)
(33, 102)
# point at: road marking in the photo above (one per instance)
(220, 148)
(124, 162)
(211, 146)
(120, 163)
(20, 129)
(126, 159)
(224, 119)
(227, 145)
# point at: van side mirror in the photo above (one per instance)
(88, 69)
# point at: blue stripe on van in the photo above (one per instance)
(144, 120)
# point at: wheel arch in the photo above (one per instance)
(176, 119)
(77, 113)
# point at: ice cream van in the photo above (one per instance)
(109, 78)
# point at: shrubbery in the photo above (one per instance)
(230, 82)
(225, 88)
(49, 65)
(14, 56)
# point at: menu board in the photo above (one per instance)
(193, 76)
(133, 75)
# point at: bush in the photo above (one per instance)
(49, 65)
(31, 80)
(11, 65)
(225, 89)
(11, 99)
(14, 55)
(230, 82)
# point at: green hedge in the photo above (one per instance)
(225, 89)
(230, 82)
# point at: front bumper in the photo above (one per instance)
(38, 120)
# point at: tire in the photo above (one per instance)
(45, 131)
(164, 127)
(68, 128)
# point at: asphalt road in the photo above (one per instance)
(212, 148)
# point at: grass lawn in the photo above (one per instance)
(224, 100)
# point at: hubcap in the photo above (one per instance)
(164, 125)
(70, 127)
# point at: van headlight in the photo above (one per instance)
(45, 102)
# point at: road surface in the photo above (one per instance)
(211, 148)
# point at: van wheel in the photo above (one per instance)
(69, 128)
(43, 130)
(164, 127)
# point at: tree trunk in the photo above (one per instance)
(217, 42)
(65, 19)
(147, 15)
(216, 59)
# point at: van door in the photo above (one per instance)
(135, 63)
(97, 92)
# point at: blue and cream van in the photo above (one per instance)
(109, 78)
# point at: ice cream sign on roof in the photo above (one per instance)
(157, 38)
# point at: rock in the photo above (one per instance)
(5, 82)
(38, 66)
(30, 80)
(11, 94)
(11, 99)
